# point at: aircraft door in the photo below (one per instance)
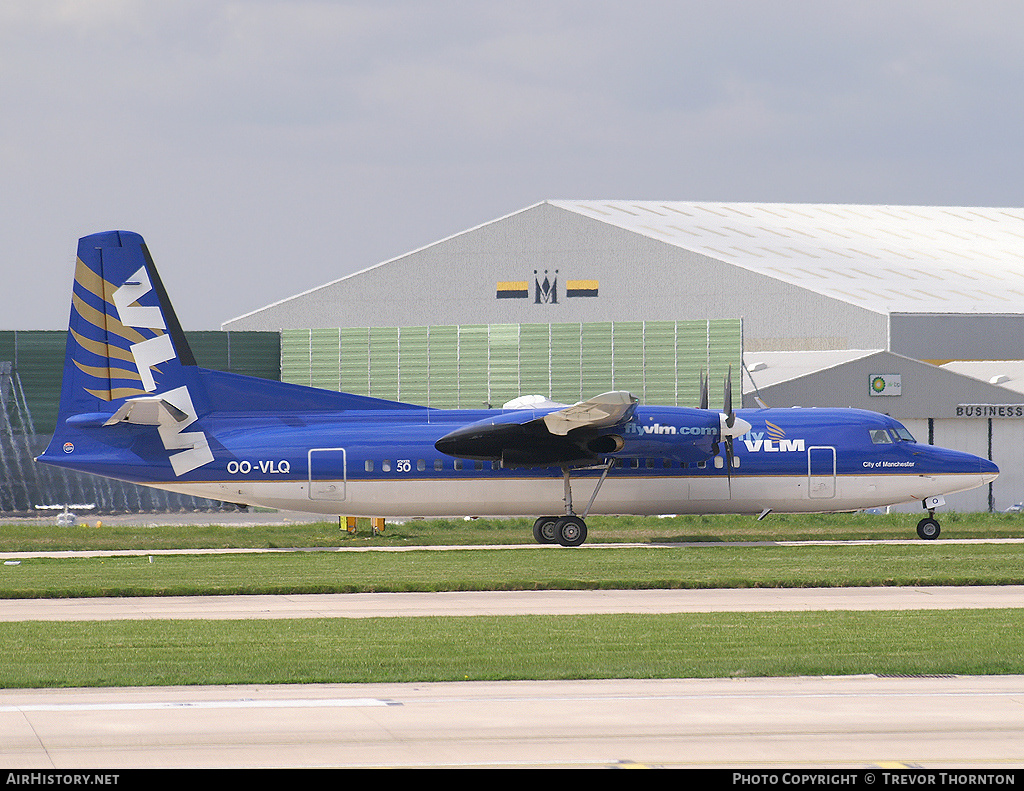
(328, 473)
(821, 472)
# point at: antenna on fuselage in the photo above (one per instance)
(760, 401)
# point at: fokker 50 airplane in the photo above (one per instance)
(135, 406)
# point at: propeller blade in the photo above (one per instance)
(731, 424)
(728, 462)
(703, 391)
(730, 415)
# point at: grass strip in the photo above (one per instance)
(27, 535)
(144, 653)
(550, 568)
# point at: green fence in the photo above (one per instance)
(474, 365)
(31, 364)
(38, 360)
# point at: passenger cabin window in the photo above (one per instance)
(879, 436)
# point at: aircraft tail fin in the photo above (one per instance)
(126, 360)
(127, 363)
(124, 340)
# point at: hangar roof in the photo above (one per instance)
(1005, 373)
(766, 369)
(841, 379)
(888, 259)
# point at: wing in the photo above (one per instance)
(573, 435)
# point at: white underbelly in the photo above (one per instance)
(523, 496)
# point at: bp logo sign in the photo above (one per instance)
(886, 385)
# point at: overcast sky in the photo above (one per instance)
(264, 148)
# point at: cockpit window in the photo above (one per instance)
(903, 434)
(897, 433)
(879, 436)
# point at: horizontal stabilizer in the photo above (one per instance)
(148, 411)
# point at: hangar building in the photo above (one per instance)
(829, 299)
(928, 283)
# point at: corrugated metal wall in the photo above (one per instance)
(472, 365)
(1000, 440)
(37, 357)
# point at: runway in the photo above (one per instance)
(853, 722)
(553, 602)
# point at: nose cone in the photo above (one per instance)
(952, 471)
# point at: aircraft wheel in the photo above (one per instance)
(544, 530)
(571, 530)
(928, 529)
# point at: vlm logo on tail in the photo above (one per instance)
(120, 342)
(775, 442)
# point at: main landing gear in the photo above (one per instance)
(569, 530)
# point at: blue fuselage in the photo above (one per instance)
(671, 460)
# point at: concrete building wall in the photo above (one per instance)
(957, 336)
(1007, 451)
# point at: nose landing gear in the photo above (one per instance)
(929, 528)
